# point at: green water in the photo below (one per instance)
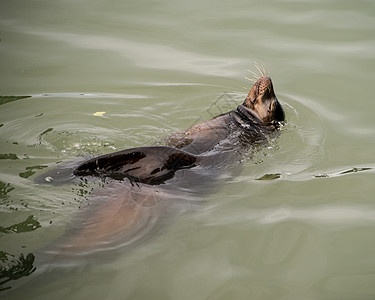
(156, 67)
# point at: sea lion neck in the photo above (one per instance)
(247, 115)
(263, 103)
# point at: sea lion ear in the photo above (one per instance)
(151, 165)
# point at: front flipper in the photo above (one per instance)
(152, 165)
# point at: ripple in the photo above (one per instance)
(313, 214)
(293, 154)
(346, 172)
(88, 95)
(163, 57)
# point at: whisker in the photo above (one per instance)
(255, 75)
(250, 79)
(261, 69)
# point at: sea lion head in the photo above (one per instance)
(263, 103)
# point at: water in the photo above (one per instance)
(156, 67)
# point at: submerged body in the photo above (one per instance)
(146, 183)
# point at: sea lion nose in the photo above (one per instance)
(265, 80)
(265, 87)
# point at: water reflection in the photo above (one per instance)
(13, 268)
(8, 99)
(30, 224)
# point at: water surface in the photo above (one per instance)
(297, 223)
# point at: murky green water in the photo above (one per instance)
(156, 67)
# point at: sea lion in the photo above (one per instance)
(257, 117)
(146, 181)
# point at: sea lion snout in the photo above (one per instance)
(263, 102)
